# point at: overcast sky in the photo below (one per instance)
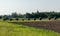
(23, 6)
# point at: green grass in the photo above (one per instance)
(9, 29)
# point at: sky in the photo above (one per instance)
(23, 6)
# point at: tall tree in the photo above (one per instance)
(15, 15)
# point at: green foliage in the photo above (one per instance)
(37, 14)
(22, 19)
(14, 15)
(40, 18)
(28, 18)
(11, 19)
(34, 19)
(28, 15)
(6, 18)
(17, 19)
(49, 18)
(55, 18)
(0, 17)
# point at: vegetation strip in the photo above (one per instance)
(50, 25)
(10, 29)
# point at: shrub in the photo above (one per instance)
(5, 19)
(22, 19)
(11, 19)
(49, 18)
(17, 19)
(28, 18)
(55, 18)
(34, 19)
(40, 18)
(0, 17)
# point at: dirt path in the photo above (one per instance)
(50, 25)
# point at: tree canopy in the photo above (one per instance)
(34, 15)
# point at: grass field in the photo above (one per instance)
(9, 29)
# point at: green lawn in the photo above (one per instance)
(9, 29)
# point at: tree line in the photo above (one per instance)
(37, 14)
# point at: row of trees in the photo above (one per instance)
(34, 15)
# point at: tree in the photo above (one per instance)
(34, 15)
(14, 15)
(6, 18)
(20, 16)
(28, 15)
(0, 17)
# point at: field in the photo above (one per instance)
(49, 25)
(38, 27)
(13, 29)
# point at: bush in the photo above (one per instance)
(22, 19)
(40, 18)
(28, 18)
(17, 19)
(11, 19)
(5, 19)
(49, 18)
(0, 17)
(34, 19)
(55, 18)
